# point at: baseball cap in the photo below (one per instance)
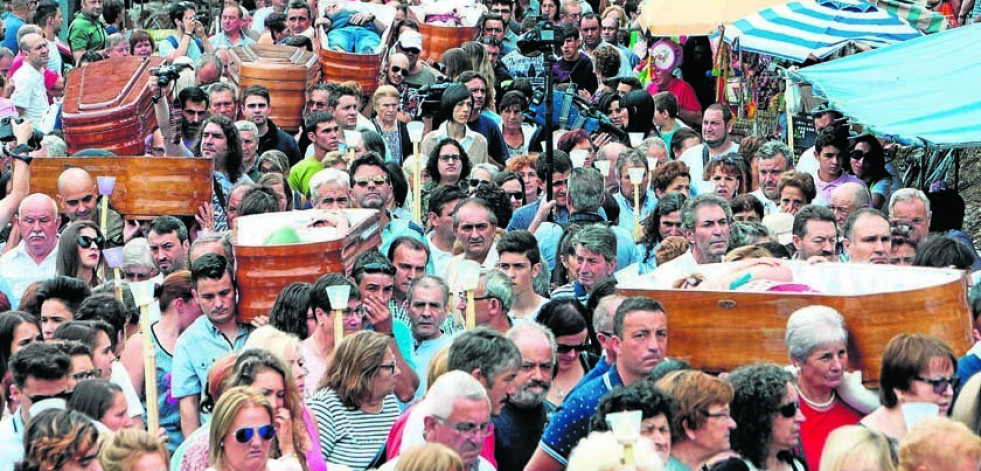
(410, 39)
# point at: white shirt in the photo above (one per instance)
(696, 168)
(120, 377)
(259, 19)
(55, 62)
(808, 162)
(29, 93)
(18, 269)
(769, 207)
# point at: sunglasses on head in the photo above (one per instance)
(245, 434)
(789, 410)
(940, 384)
(568, 348)
(86, 241)
(398, 70)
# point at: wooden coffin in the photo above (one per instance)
(286, 71)
(339, 66)
(262, 271)
(108, 106)
(721, 330)
(146, 187)
(436, 39)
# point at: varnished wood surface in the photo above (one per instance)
(263, 271)
(145, 186)
(721, 330)
(286, 71)
(438, 39)
(107, 105)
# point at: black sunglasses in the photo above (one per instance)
(398, 70)
(475, 182)
(940, 384)
(86, 241)
(789, 410)
(858, 155)
(562, 349)
(64, 395)
(245, 434)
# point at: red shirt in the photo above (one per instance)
(682, 91)
(819, 424)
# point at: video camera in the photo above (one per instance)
(166, 73)
(430, 95)
(570, 112)
(7, 132)
(543, 38)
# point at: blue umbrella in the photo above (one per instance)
(801, 30)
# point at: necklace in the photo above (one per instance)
(817, 405)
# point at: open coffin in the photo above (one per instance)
(721, 330)
(436, 38)
(263, 268)
(339, 66)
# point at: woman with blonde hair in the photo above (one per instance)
(356, 399)
(133, 450)
(242, 432)
(387, 104)
(856, 448)
(430, 457)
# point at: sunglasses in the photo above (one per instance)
(86, 241)
(245, 434)
(475, 182)
(562, 349)
(378, 180)
(411, 51)
(63, 395)
(398, 70)
(858, 155)
(940, 384)
(517, 195)
(789, 410)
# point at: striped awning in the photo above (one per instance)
(920, 16)
(815, 29)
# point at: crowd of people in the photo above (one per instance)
(395, 380)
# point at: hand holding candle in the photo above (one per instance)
(469, 276)
(415, 129)
(143, 296)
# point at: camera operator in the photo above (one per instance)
(194, 109)
(16, 150)
(191, 39)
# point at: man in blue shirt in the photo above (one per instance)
(561, 169)
(640, 333)
(213, 335)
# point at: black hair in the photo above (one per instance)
(776, 249)
(747, 202)
(41, 360)
(289, 312)
(106, 308)
(442, 196)
(318, 293)
(570, 30)
(370, 159)
(176, 12)
(210, 266)
(337, 93)
(371, 262)
(454, 94)
(830, 136)
(400, 186)
(941, 251)
(94, 397)
(640, 395)
(258, 90)
(631, 305)
(561, 163)
(412, 243)
(373, 142)
(640, 111)
(759, 390)
(46, 9)
(501, 178)
(233, 143)
(167, 224)
(520, 241)
(300, 41)
(497, 201)
(70, 291)
(432, 164)
(313, 119)
(947, 207)
(194, 95)
(563, 316)
(667, 204)
(9, 322)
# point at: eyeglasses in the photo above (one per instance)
(475, 182)
(723, 414)
(940, 384)
(387, 366)
(398, 70)
(378, 180)
(411, 51)
(329, 201)
(84, 375)
(563, 349)
(85, 199)
(789, 410)
(447, 158)
(356, 312)
(63, 395)
(467, 428)
(86, 241)
(858, 155)
(245, 434)
(482, 298)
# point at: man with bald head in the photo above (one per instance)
(848, 198)
(30, 96)
(78, 196)
(34, 257)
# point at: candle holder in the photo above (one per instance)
(415, 135)
(469, 276)
(143, 295)
(636, 178)
(353, 139)
(651, 166)
(338, 296)
(626, 430)
(114, 259)
(603, 166)
(578, 157)
(635, 138)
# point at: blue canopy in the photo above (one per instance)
(926, 89)
(800, 30)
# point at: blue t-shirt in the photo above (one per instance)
(571, 422)
(13, 23)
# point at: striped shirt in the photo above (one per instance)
(351, 438)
